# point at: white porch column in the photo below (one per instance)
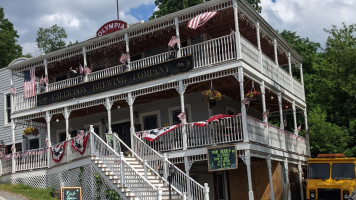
(132, 122)
(66, 116)
(49, 143)
(13, 125)
(263, 93)
(289, 65)
(295, 118)
(12, 98)
(275, 51)
(259, 42)
(301, 180)
(280, 111)
(176, 20)
(108, 106)
(306, 130)
(249, 177)
(237, 30)
(127, 40)
(181, 91)
(287, 176)
(301, 74)
(45, 63)
(243, 106)
(85, 57)
(270, 176)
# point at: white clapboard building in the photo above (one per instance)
(218, 114)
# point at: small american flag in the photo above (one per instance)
(124, 58)
(174, 40)
(44, 80)
(232, 32)
(201, 19)
(81, 69)
(299, 128)
(265, 113)
(182, 116)
(29, 83)
(12, 90)
(87, 70)
(246, 101)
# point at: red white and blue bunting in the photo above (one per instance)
(80, 142)
(58, 151)
(213, 118)
(155, 133)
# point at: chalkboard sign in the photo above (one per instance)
(71, 193)
(222, 158)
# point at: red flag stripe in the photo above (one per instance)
(200, 20)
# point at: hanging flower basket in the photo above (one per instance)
(253, 95)
(211, 96)
(31, 131)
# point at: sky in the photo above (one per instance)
(82, 18)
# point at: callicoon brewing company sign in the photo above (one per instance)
(110, 27)
(164, 69)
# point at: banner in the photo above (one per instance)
(80, 142)
(58, 151)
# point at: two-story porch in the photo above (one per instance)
(253, 58)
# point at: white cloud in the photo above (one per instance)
(308, 18)
(63, 19)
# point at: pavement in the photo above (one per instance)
(9, 196)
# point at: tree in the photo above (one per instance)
(9, 50)
(170, 6)
(51, 39)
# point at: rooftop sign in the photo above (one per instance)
(110, 27)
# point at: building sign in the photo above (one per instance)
(110, 27)
(222, 158)
(164, 69)
(72, 193)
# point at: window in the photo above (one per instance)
(150, 122)
(319, 171)
(34, 143)
(7, 105)
(175, 118)
(343, 171)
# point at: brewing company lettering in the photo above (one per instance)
(171, 67)
(110, 27)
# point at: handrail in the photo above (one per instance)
(31, 159)
(181, 181)
(129, 177)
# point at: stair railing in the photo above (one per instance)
(180, 181)
(116, 163)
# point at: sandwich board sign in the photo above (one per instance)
(222, 158)
(71, 193)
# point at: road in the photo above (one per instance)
(8, 196)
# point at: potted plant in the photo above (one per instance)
(211, 96)
(253, 95)
(31, 131)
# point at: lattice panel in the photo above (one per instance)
(63, 177)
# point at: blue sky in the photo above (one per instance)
(82, 18)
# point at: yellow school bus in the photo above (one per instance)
(331, 176)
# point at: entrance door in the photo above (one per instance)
(123, 131)
(221, 185)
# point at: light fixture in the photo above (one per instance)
(172, 170)
(118, 107)
(57, 120)
(287, 107)
(272, 97)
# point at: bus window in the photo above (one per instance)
(319, 171)
(343, 171)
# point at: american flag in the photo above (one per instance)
(12, 90)
(44, 80)
(299, 128)
(153, 134)
(174, 40)
(182, 116)
(265, 113)
(246, 101)
(200, 20)
(213, 118)
(232, 32)
(124, 58)
(29, 83)
(87, 70)
(81, 69)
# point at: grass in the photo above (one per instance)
(28, 192)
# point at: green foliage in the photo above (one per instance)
(51, 39)
(112, 195)
(170, 6)
(326, 137)
(9, 50)
(29, 192)
(330, 79)
(99, 183)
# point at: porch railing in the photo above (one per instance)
(181, 181)
(228, 130)
(32, 159)
(6, 164)
(204, 54)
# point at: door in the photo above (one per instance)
(123, 131)
(221, 185)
